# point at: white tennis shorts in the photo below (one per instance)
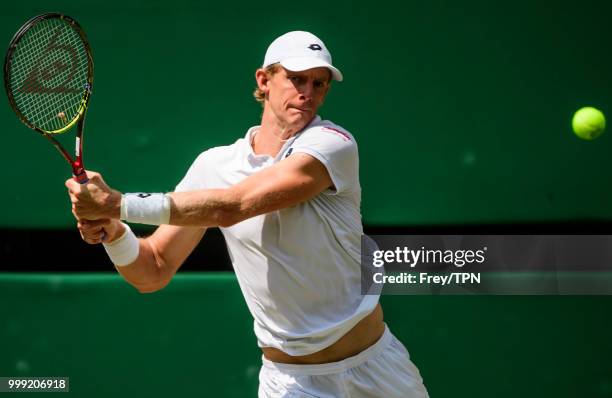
(382, 370)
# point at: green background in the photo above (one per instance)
(462, 110)
(194, 339)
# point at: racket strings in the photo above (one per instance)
(49, 74)
(31, 84)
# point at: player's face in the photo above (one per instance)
(294, 97)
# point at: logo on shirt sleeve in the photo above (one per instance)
(288, 152)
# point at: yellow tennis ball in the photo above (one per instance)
(588, 123)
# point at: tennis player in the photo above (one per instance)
(287, 199)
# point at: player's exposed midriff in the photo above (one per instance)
(367, 332)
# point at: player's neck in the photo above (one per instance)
(266, 142)
(272, 135)
(275, 128)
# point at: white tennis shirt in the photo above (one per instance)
(299, 267)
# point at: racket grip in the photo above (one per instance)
(80, 176)
(78, 172)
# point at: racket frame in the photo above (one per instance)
(78, 169)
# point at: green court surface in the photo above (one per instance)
(195, 338)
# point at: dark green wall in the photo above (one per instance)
(461, 109)
(195, 338)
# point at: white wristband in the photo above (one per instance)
(123, 251)
(146, 208)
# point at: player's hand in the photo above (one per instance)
(94, 200)
(98, 231)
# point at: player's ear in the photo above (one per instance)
(262, 79)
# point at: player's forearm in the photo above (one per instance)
(149, 272)
(137, 260)
(205, 208)
(202, 208)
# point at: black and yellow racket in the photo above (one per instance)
(48, 76)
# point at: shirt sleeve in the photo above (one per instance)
(195, 177)
(337, 150)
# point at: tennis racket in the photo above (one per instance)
(48, 76)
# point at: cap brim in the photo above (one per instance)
(299, 64)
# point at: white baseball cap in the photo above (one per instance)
(298, 51)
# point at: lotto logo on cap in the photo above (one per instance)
(298, 51)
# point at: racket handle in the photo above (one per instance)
(79, 174)
(81, 178)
